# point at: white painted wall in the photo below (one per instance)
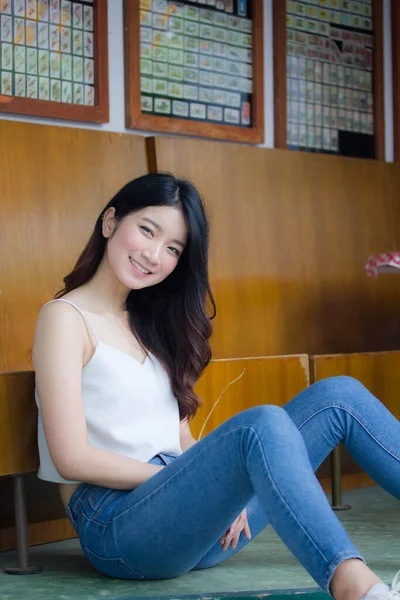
(116, 79)
(388, 79)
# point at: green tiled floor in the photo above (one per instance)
(263, 566)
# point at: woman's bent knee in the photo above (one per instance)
(269, 416)
(343, 384)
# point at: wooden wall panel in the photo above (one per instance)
(393, 177)
(290, 235)
(53, 183)
(18, 424)
(378, 371)
(235, 385)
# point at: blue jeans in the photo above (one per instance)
(264, 459)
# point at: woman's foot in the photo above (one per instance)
(381, 591)
(353, 580)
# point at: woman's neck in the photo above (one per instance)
(106, 292)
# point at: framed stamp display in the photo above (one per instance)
(195, 68)
(54, 58)
(328, 75)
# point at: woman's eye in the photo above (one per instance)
(175, 250)
(146, 229)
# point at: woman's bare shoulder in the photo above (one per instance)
(83, 299)
(58, 315)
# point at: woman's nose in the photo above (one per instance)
(152, 253)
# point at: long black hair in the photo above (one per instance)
(170, 319)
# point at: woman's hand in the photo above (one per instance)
(232, 535)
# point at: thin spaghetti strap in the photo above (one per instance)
(79, 311)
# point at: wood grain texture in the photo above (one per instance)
(350, 481)
(38, 533)
(18, 424)
(393, 175)
(54, 183)
(235, 385)
(290, 235)
(378, 371)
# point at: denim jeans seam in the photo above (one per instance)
(359, 421)
(333, 565)
(103, 506)
(175, 474)
(75, 499)
(116, 559)
(92, 520)
(280, 497)
(75, 503)
(71, 518)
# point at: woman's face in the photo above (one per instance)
(145, 248)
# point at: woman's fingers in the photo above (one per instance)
(228, 538)
(247, 531)
(236, 535)
(232, 535)
(235, 540)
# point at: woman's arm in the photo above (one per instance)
(101, 467)
(58, 352)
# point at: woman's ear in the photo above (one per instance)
(109, 222)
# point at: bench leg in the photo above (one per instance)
(21, 525)
(336, 473)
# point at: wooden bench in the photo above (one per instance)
(379, 372)
(235, 384)
(227, 387)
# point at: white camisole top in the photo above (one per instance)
(129, 407)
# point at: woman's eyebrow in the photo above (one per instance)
(159, 228)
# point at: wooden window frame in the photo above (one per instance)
(135, 119)
(280, 99)
(99, 113)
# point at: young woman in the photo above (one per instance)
(116, 357)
